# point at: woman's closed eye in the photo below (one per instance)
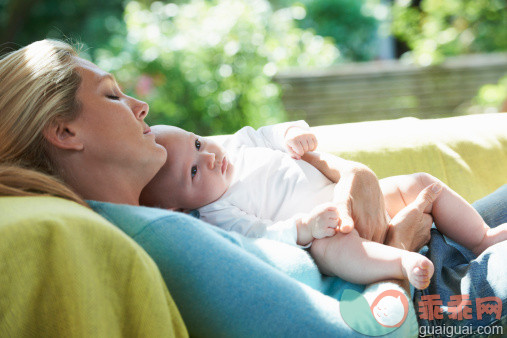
(113, 97)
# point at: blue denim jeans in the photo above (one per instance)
(459, 272)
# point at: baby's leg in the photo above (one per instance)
(358, 260)
(453, 216)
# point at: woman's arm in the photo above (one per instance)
(272, 136)
(227, 285)
(357, 194)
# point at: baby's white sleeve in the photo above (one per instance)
(232, 218)
(268, 136)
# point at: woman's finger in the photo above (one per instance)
(427, 196)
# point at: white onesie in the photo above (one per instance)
(268, 187)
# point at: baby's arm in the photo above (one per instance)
(273, 136)
(300, 229)
(301, 142)
(232, 218)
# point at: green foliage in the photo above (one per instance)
(353, 24)
(25, 21)
(492, 95)
(207, 65)
(438, 28)
(350, 22)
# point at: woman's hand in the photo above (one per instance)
(410, 228)
(357, 195)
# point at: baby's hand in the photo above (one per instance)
(324, 221)
(300, 141)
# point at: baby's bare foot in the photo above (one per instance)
(492, 236)
(417, 269)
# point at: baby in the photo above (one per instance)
(256, 182)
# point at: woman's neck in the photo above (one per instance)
(105, 184)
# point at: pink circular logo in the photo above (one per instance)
(390, 308)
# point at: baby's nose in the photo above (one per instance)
(211, 161)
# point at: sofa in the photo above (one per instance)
(65, 271)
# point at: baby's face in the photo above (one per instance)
(196, 172)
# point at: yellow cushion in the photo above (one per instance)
(468, 153)
(67, 272)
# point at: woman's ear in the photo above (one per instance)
(63, 136)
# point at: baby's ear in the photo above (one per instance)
(185, 211)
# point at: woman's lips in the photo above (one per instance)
(147, 131)
(224, 165)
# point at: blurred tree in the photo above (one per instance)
(353, 24)
(434, 29)
(207, 65)
(492, 97)
(85, 21)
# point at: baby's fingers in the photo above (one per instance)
(332, 212)
(312, 143)
(295, 149)
(299, 146)
(330, 232)
(327, 232)
(304, 145)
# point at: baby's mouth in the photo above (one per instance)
(225, 164)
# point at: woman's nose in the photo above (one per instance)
(140, 109)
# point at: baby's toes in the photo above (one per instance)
(418, 270)
(425, 267)
(420, 278)
(422, 273)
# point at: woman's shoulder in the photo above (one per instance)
(134, 219)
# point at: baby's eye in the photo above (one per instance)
(197, 144)
(193, 171)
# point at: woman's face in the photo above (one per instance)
(111, 127)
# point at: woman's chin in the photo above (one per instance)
(160, 154)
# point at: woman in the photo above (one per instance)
(67, 130)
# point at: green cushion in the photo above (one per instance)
(66, 271)
(468, 153)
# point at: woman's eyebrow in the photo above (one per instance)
(107, 77)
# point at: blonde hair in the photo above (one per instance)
(38, 85)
